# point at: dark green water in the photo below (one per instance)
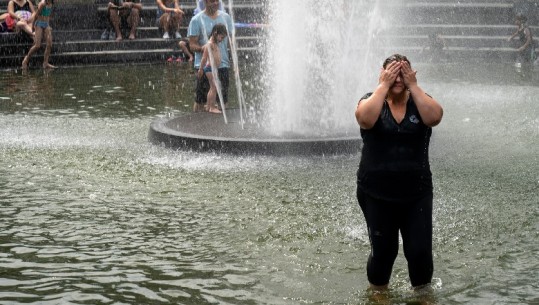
(91, 213)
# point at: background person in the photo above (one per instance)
(169, 17)
(21, 12)
(436, 48)
(43, 29)
(201, 6)
(128, 11)
(3, 25)
(184, 46)
(394, 181)
(526, 48)
(211, 59)
(198, 32)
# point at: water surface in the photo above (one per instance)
(91, 213)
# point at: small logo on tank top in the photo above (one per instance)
(414, 119)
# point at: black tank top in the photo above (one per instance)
(394, 162)
(25, 7)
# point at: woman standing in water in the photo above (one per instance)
(394, 182)
(42, 28)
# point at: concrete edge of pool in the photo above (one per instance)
(207, 132)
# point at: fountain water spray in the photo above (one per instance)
(320, 61)
(321, 56)
(234, 53)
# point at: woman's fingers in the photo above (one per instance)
(408, 74)
(393, 69)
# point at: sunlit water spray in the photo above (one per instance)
(234, 53)
(320, 60)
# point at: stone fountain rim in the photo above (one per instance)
(161, 133)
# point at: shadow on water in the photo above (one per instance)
(90, 212)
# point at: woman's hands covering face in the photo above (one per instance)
(390, 73)
(396, 69)
(408, 75)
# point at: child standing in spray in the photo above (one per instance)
(42, 28)
(211, 60)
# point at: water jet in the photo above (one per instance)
(311, 83)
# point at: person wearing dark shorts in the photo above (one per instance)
(394, 181)
(198, 33)
(203, 86)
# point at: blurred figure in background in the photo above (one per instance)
(43, 30)
(201, 6)
(436, 48)
(20, 14)
(123, 13)
(199, 32)
(169, 17)
(525, 48)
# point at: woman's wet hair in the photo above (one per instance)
(219, 29)
(395, 57)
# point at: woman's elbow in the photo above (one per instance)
(363, 120)
(363, 123)
(435, 119)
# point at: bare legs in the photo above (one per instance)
(212, 95)
(40, 32)
(24, 26)
(132, 20)
(185, 50)
(170, 22)
(48, 47)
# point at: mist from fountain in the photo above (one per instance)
(320, 59)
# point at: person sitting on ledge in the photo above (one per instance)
(128, 12)
(184, 46)
(3, 25)
(20, 12)
(169, 17)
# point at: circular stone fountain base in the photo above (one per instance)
(207, 132)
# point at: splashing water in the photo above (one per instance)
(320, 60)
(234, 54)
